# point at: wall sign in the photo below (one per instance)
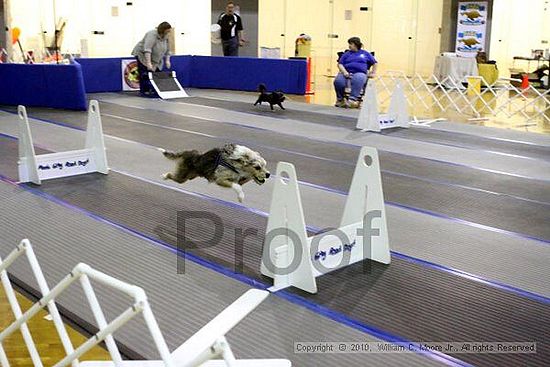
(130, 75)
(471, 28)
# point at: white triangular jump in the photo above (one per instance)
(35, 168)
(368, 115)
(292, 258)
(371, 120)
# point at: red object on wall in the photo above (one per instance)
(525, 82)
(308, 79)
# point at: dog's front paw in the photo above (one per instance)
(241, 197)
(162, 150)
(166, 176)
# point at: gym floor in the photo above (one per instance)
(467, 207)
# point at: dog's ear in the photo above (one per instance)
(229, 148)
(244, 159)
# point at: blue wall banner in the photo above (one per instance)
(471, 28)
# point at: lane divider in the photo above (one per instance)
(305, 138)
(328, 141)
(331, 113)
(314, 229)
(295, 299)
(339, 162)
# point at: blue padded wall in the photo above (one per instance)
(245, 73)
(46, 85)
(65, 86)
(102, 74)
(236, 73)
(182, 65)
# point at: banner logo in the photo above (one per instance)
(130, 75)
(471, 28)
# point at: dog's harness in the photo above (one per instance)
(222, 162)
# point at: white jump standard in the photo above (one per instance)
(35, 168)
(292, 258)
(397, 116)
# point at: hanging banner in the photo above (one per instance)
(471, 28)
(130, 75)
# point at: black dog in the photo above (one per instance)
(274, 98)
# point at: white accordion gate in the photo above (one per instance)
(199, 350)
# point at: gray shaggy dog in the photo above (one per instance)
(230, 166)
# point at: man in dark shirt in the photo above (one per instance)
(231, 30)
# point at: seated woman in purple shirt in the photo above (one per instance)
(354, 64)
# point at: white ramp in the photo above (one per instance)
(167, 85)
(292, 258)
(35, 168)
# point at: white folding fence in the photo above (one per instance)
(501, 98)
(208, 347)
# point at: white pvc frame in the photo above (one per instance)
(25, 249)
(458, 99)
(83, 273)
(199, 350)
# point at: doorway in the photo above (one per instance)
(2, 26)
(248, 11)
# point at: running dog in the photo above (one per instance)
(274, 98)
(230, 166)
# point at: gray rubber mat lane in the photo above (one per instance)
(505, 213)
(8, 157)
(392, 162)
(472, 142)
(476, 129)
(516, 262)
(264, 110)
(516, 166)
(182, 303)
(405, 299)
(427, 135)
(9, 152)
(496, 211)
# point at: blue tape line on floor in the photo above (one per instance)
(477, 278)
(245, 279)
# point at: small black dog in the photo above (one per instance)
(274, 98)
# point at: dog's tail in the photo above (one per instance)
(177, 155)
(262, 88)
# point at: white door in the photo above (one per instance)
(393, 34)
(112, 28)
(272, 30)
(350, 18)
(97, 34)
(427, 22)
(192, 27)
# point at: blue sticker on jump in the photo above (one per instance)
(322, 255)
